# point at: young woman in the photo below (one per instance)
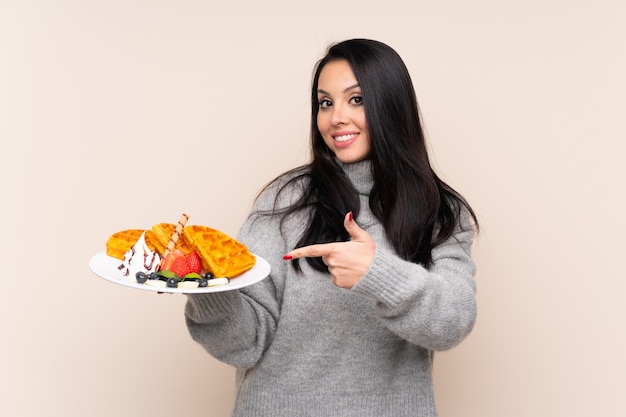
(370, 256)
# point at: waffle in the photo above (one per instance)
(160, 236)
(119, 243)
(151, 240)
(220, 254)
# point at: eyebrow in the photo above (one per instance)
(345, 90)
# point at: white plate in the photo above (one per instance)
(107, 267)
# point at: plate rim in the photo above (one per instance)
(261, 267)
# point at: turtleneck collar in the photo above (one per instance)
(360, 174)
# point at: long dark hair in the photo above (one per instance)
(416, 208)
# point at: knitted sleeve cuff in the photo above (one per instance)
(389, 279)
(212, 307)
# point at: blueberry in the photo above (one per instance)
(172, 283)
(141, 277)
(209, 275)
(203, 282)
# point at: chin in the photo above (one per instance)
(351, 159)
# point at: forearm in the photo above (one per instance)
(230, 326)
(435, 308)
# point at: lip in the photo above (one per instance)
(343, 139)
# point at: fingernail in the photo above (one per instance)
(287, 257)
(350, 216)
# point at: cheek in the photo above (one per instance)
(321, 124)
(362, 120)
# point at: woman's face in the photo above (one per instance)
(341, 116)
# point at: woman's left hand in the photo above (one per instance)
(347, 261)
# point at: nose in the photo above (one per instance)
(339, 115)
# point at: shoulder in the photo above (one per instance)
(284, 191)
(276, 209)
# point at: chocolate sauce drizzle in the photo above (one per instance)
(148, 261)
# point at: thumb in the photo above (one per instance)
(353, 228)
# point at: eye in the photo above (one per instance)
(325, 103)
(356, 100)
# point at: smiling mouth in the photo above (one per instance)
(345, 138)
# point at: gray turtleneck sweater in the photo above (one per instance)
(304, 347)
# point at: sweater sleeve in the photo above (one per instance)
(433, 308)
(236, 327)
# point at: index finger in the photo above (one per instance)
(311, 251)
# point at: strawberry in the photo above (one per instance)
(193, 263)
(179, 266)
(169, 259)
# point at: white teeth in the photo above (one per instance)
(344, 138)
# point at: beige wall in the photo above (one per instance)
(123, 113)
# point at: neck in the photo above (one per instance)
(360, 174)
